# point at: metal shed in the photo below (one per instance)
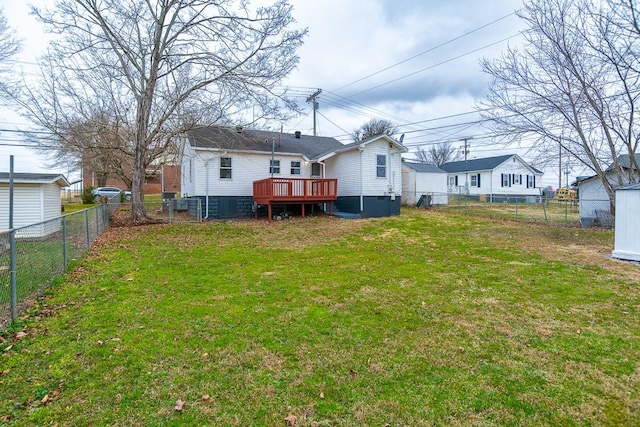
(627, 233)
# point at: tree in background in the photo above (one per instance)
(9, 47)
(374, 127)
(438, 154)
(158, 68)
(573, 86)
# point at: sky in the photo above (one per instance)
(415, 63)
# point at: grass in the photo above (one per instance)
(429, 318)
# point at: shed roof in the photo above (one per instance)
(423, 167)
(486, 163)
(236, 139)
(35, 178)
(625, 161)
(635, 186)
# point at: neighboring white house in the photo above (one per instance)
(420, 179)
(595, 205)
(627, 238)
(36, 198)
(494, 178)
(220, 165)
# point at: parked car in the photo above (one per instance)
(110, 192)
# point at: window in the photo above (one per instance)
(475, 180)
(452, 181)
(315, 170)
(274, 166)
(295, 168)
(506, 179)
(225, 167)
(381, 166)
(516, 179)
(531, 181)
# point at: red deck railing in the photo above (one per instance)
(294, 190)
(272, 191)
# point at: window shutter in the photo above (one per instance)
(520, 179)
(501, 180)
(478, 180)
(456, 180)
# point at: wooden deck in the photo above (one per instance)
(283, 191)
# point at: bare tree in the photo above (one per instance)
(572, 86)
(158, 67)
(9, 47)
(374, 127)
(438, 154)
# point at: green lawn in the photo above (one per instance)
(429, 318)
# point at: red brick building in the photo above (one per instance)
(162, 178)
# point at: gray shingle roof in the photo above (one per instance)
(625, 161)
(423, 167)
(227, 138)
(487, 163)
(46, 178)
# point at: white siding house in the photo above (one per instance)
(493, 178)
(627, 238)
(36, 198)
(220, 165)
(419, 179)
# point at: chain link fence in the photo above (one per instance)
(517, 207)
(31, 257)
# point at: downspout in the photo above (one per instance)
(361, 184)
(206, 186)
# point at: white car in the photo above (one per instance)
(109, 192)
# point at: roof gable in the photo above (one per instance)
(361, 145)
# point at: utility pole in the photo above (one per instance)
(312, 98)
(466, 168)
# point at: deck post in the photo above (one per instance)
(330, 208)
(269, 209)
(303, 211)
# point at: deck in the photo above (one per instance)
(283, 191)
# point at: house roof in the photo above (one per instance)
(35, 178)
(228, 138)
(423, 167)
(487, 163)
(625, 161)
(360, 144)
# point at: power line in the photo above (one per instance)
(426, 51)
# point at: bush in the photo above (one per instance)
(87, 195)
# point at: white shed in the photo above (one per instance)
(36, 198)
(627, 240)
(420, 179)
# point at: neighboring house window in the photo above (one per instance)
(295, 168)
(475, 180)
(274, 166)
(315, 169)
(506, 179)
(516, 179)
(452, 181)
(225, 167)
(381, 166)
(531, 181)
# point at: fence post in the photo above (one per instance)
(170, 210)
(14, 285)
(516, 208)
(86, 219)
(64, 241)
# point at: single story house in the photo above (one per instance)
(423, 180)
(235, 171)
(36, 198)
(627, 232)
(595, 205)
(493, 178)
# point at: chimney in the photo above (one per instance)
(298, 134)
